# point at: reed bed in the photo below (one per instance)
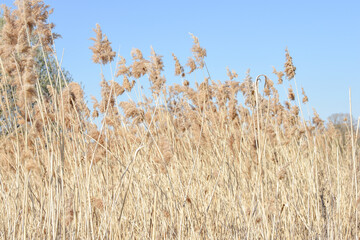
(209, 160)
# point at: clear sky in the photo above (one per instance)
(323, 38)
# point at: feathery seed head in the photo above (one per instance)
(289, 66)
(102, 51)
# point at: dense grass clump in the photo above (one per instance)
(215, 159)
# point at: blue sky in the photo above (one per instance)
(323, 38)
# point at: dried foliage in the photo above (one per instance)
(102, 51)
(289, 66)
(217, 159)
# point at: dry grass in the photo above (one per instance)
(184, 163)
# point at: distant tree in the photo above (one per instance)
(341, 119)
(2, 21)
(47, 67)
(342, 122)
(43, 64)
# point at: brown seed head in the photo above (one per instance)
(289, 66)
(191, 64)
(179, 70)
(291, 94)
(305, 98)
(279, 75)
(198, 52)
(102, 51)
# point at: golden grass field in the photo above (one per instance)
(207, 160)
